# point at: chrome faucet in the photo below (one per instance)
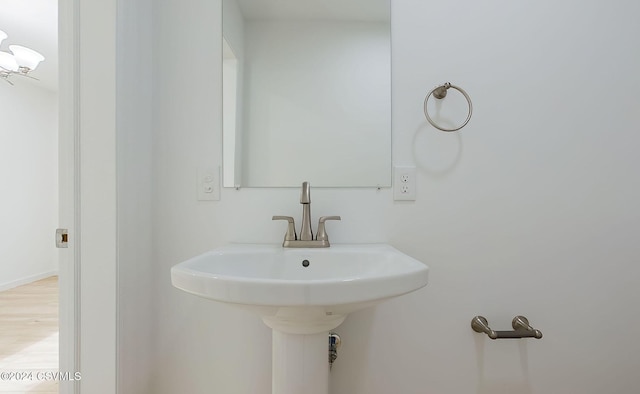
(306, 238)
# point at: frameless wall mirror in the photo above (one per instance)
(306, 93)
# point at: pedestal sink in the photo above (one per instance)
(301, 294)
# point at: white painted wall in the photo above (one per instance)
(28, 172)
(134, 198)
(97, 96)
(537, 215)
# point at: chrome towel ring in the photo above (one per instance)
(441, 92)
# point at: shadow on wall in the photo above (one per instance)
(354, 352)
(436, 152)
(498, 373)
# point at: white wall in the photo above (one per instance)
(134, 198)
(28, 171)
(98, 118)
(537, 215)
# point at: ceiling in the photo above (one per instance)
(34, 24)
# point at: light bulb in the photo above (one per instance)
(8, 62)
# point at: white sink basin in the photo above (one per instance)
(294, 297)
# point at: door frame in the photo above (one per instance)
(87, 190)
(68, 190)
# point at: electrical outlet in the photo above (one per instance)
(404, 184)
(208, 184)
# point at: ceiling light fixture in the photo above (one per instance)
(21, 61)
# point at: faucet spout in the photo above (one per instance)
(305, 196)
(306, 238)
(306, 234)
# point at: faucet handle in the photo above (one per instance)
(291, 228)
(322, 233)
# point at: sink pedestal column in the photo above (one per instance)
(300, 363)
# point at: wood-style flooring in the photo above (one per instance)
(29, 337)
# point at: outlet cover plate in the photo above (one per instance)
(404, 183)
(208, 184)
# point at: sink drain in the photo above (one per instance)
(305, 263)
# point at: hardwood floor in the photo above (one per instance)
(29, 337)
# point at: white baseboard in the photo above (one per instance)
(28, 279)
